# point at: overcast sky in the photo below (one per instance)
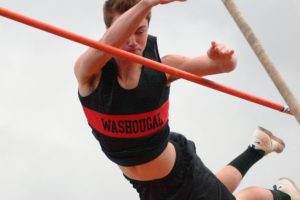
(47, 150)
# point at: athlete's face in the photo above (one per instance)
(136, 43)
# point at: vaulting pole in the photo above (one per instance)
(263, 57)
(138, 59)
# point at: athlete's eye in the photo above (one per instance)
(139, 32)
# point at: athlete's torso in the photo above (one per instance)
(131, 125)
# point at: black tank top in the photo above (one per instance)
(130, 125)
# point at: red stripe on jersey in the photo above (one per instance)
(128, 126)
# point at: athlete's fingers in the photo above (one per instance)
(213, 43)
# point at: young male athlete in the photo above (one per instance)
(126, 105)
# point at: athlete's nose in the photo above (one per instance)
(131, 41)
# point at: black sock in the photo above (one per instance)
(247, 159)
(278, 195)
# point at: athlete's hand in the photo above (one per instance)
(224, 57)
(168, 1)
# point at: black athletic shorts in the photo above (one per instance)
(188, 180)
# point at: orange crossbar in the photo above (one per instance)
(141, 60)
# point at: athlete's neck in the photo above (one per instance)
(129, 74)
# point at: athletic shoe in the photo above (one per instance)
(264, 140)
(288, 186)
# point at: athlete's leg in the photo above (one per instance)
(285, 189)
(263, 143)
(230, 177)
(256, 193)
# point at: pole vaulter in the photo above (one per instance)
(138, 59)
(263, 58)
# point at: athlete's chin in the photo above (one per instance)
(139, 53)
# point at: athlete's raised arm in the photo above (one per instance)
(219, 59)
(89, 64)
